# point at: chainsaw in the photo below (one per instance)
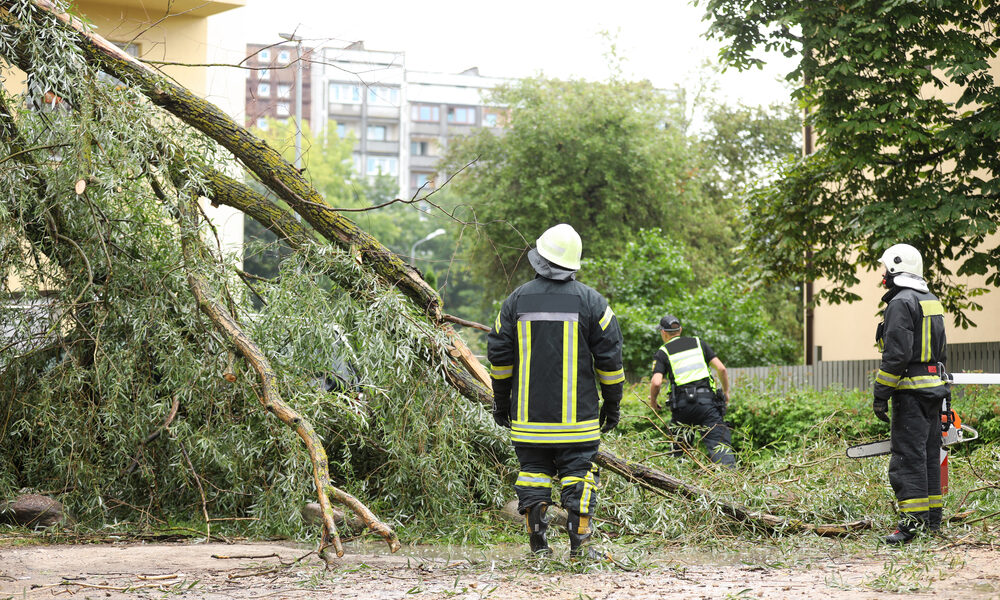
(952, 429)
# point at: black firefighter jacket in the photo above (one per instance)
(551, 344)
(912, 341)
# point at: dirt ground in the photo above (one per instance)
(256, 570)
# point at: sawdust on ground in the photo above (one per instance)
(268, 570)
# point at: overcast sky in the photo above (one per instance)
(659, 40)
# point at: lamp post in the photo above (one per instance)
(291, 37)
(429, 236)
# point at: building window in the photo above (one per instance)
(264, 74)
(383, 96)
(284, 90)
(343, 93)
(423, 112)
(420, 148)
(382, 165)
(341, 130)
(464, 116)
(376, 133)
(490, 119)
(284, 56)
(262, 123)
(264, 55)
(419, 180)
(281, 109)
(263, 90)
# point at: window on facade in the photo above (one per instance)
(490, 119)
(345, 93)
(264, 55)
(464, 116)
(419, 180)
(284, 56)
(376, 133)
(264, 74)
(420, 148)
(383, 96)
(382, 165)
(423, 112)
(281, 109)
(262, 123)
(341, 130)
(284, 91)
(263, 90)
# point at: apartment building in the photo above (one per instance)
(273, 74)
(401, 120)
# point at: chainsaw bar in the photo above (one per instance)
(882, 447)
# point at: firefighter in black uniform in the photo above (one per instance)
(694, 398)
(553, 341)
(912, 340)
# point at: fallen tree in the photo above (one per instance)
(160, 155)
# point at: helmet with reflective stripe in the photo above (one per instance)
(561, 245)
(903, 258)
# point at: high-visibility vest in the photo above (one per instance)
(688, 366)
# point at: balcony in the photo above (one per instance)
(425, 128)
(336, 108)
(188, 8)
(424, 162)
(382, 147)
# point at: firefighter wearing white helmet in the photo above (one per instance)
(912, 340)
(553, 342)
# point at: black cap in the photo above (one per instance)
(669, 323)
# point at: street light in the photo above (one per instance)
(429, 236)
(291, 37)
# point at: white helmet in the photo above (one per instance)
(903, 258)
(561, 245)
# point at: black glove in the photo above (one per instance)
(501, 413)
(610, 414)
(880, 407)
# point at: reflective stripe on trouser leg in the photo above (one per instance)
(579, 494)
(532, 489)
(914, 472)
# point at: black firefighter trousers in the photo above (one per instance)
(915, 464)
(571, 468)
(701, 409)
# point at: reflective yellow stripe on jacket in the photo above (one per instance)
(689, 365)
(555, 433)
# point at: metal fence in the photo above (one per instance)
(982, 357)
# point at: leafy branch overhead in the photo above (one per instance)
(906, 114)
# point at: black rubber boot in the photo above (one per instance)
(934, 518)
(578, 527)
(905, 531)
(537, 519)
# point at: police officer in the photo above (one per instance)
(694, 399)
(553, 341)
(912, 340)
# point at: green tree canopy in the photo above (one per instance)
(600, 156)
(899, 160)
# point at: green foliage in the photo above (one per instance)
(599, 156)
(899, 159)
(102, 335)
(651, 278)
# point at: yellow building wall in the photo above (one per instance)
(847, 331)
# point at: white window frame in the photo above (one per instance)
(264, 90)
(377, 128)
(263, 73)
(283, 90)
(264, 55)
(284, 57)
(262, 123)
(282, 110)
(389, 164)
(346, 93)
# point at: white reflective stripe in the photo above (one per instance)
(610, 377)
(569, 372)
(524, 350)
(548, 316)
(499, 372)
(555, 427)
(606, 318)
